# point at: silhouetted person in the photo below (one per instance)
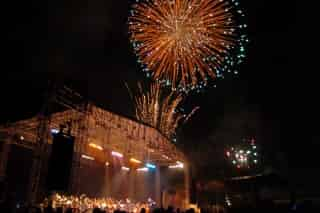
(96, 210)
(38, 210)
(306, 206)
(48, 209)
(8, 204)
(143, 210)
(157, 210)
(68, 210)
(59, 210)
(170, 209)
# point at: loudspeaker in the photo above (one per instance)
(60, 162)
(18, 171)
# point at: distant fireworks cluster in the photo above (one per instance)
(244, 156)
(159, 110)
(184, 43)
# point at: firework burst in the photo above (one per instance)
(160, 110)
(244, 156)
(184, 43)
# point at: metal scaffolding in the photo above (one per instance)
(89, 124)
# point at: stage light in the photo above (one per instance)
(107, 163)
(133, 160)
(95, 146)
(166, 157)
(21, 138)
(151, 166)
(87, 157)
(179, 162)
(116, 154)
(54, 131)
(143, 169)
(177, 166)
(125, 168)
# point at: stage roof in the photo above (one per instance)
(97, 126)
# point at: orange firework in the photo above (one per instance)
(159, 110)
(186, 42)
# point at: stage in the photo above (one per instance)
(112, 156)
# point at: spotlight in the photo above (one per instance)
(95, 146)
(179, 162)
(87, 157)
(133, 160)
(151, 166)
(176, 166)
(166, 157)
(54, 131)
(125, 168)
(143, 169)
(116, 154)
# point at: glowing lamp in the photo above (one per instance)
(54, 131)
(143, 169)
(116, 154)
(151, 166)
(133, 160)
(87, 157)
(125, 168)
(95, 146)
(166, 157)
(177, 166)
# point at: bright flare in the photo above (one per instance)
(125, 168)
(144, 169)
(151, 166)
(133, 160)
(117, 154)
(87, 157)
(95, 146)
(186, 42)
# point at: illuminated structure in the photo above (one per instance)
(104, 141)
(184, 43)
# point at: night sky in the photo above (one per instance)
(85, 43)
